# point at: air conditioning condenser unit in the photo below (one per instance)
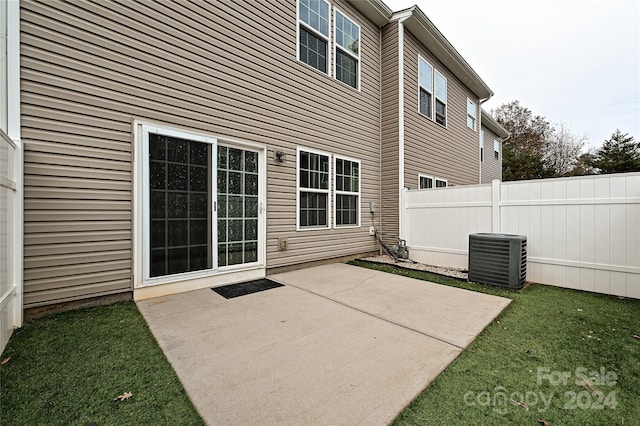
(498, 259)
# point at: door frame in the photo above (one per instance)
(196, 279)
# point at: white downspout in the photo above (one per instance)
(480, 141)
(401, 224)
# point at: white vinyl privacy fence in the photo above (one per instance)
(10, 172)
(10, 241)
(582, 232)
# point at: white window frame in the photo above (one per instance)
(434, 181)
(470, 116)
(423, 176)
(307, 27)
(144, 192)
(342, 49)
(431, 101)
(496, 149)
(436, 99)
(336, 192)
(446, 183)
(322, 191)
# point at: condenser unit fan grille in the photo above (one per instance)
(498, 259)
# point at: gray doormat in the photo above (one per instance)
(241, 289)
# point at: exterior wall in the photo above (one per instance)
(390, 128)
(582, 232)
(90, 68)
(491, 168)
(450, 153)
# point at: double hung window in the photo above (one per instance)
(425, 83)
(313, 189)
(313, 27)
(347, 192)
(441, 99)
(347, 36)
(314, 41)
(432, 92)
(472, 113)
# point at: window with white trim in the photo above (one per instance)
(441, 98)
(314, 187)
(347, 192)
(496, 149)
(430, 182)
(313, 33)
(425, 86)
(347, 50)
(425, 182)
(472, 113)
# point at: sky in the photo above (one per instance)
(572, 61)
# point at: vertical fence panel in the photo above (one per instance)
(9, 300)
(10, 173)
(582, 232)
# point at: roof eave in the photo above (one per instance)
(427, 33)
(378, 12)
(490, 123)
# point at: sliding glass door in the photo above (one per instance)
(201, 205)
(180, 214)
(238, 206)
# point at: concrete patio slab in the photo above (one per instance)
(300, 354)
(449, 314)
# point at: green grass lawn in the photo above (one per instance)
(67, 368)
(539, 352)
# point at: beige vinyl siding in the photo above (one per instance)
(450, 153)
(226, 68)
(390, 128)
(491, 168)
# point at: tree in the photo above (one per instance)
(620, 153)
(584, 165)
(523, 152)
(562, 150)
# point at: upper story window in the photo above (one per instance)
(496, 149)
(431, 82)
(425, 83)
(347, 53)
(472, 113)
(347, 193)
(313, 189)
(313, 43)
(441, 99)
